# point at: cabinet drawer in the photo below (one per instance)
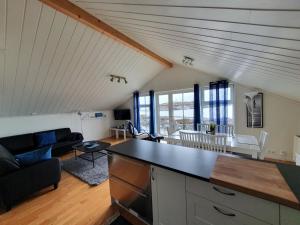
(201, 211)
(256, 207)
(131, 198)
(129, 170)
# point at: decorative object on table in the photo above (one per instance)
(212, 129)
(85, 171)
(118, 78)
(254, 109)
(91, 150)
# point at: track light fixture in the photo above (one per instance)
(118, 78)
(188, 61)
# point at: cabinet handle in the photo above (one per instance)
(223, 192)
(222, 212)
(152, 173)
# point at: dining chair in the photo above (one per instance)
(226, 129)
(188, 139)
(262, 143)
(203, 127)
(216, 143)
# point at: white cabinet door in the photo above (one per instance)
(259, 208)
(289, 216)
(201, 211)
(168, 197)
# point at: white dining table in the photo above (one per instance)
(239, 143)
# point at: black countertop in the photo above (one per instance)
(188, 161)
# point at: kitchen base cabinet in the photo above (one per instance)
(255, 207)
(181, 200)
(289, 216)
(201, 211)
(168, 197)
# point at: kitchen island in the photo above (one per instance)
(189, 187)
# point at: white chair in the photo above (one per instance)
(192, 140)
(216, 143)
(203, 127)
(261, 143)
(226, 129)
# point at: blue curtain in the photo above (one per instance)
(152, 113)
(197, 117)
(136, 110)
(218, 102)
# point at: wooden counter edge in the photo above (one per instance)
(265, 196)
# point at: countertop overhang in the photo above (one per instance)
(204, 165)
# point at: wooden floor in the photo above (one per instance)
(73, 203)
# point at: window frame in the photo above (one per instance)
(144, 95)
(206, 103)
(170, 103)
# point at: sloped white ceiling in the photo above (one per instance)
(50, 63)
(252, 42)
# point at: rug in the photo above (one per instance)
(84, 170)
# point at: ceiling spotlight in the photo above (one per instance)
(188, 61)
(117, 78)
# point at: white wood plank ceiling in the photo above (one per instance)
(50, 63)
(256, 43)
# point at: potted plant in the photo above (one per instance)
(212, 128)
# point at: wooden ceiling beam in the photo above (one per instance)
(86, 18)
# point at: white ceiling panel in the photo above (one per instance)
(50, 63)
(254, 43)
(241, 4)
(2, 23)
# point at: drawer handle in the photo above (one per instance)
(223, 192)
(222, 212)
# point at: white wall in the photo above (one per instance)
(281, 115)
(92, 129)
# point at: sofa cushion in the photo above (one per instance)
(8, 162)
(19, 143)
(62, 134)
(45, 138)
(32, 157)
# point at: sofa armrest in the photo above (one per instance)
(26, 181)
(75, 136)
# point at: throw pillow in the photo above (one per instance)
(8, 162)
(45, 138)
(32, 157)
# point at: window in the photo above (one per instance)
(205, 105)
(145, 112)
(175, 110)
(163, 118)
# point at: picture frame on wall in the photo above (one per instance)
(255, 118)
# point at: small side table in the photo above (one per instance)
(116, 131)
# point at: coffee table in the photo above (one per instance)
(91, 150)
